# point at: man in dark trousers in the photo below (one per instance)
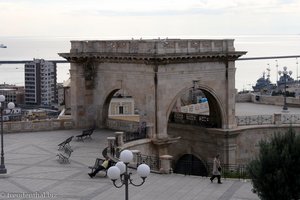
(103, 166)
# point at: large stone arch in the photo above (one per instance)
(153, 70)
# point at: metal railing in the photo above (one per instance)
(194, 119)
(231, 170)
(141, 133)
(152, 161)
(199, 168)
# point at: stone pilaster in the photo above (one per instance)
(119, 138)
(277, 119)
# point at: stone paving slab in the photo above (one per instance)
(33, 169)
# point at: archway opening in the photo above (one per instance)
(120, 105)
(189, 164)
(197, 107)
(120, 113)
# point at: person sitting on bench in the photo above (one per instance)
(103, 166)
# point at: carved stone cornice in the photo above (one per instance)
(151, 58)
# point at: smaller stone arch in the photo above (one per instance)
(105, 106)
(217, 113)
(189, 164)
(108, 97)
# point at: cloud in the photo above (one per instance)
(188, 7)
(173, 17)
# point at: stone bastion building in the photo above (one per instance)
(156, 73)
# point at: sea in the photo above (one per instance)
(247, 71)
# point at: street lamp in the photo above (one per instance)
(10, 106)
(120, 170)
(285, 73)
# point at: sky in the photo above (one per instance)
(147, 18)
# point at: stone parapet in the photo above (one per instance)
(154, 46)
(152, 51)
(38, 125)
(275, 100)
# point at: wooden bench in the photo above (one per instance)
(65, 143)
(64, 156)
(99, 162)
(85, 134)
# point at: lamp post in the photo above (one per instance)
(297, 68)
(277, 70)
(120, 170)
(10, 105)
(285, 74)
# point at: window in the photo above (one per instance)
(121, 110)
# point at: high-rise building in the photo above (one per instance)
(40, 83)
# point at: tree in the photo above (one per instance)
(275, 172)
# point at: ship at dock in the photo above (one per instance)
(3, 46)
(286, 84)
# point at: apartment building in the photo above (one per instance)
(40, 83)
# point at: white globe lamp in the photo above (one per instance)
(121, 166)
(143, 170)
(113, 173)
(126, 156)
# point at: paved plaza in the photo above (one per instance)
(262, 109)
(35, 173)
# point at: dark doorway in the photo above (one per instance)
(189, 164)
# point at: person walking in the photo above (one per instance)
(216, 169)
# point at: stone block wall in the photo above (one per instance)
(236, 146)
(40, 125)
(121, 125)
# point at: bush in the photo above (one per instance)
(275, 172)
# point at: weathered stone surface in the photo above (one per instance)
(155, 73)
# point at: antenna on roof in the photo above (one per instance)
(268, 69)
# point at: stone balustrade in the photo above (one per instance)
(154, 46)
(277, 118)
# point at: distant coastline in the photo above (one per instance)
(247, 71)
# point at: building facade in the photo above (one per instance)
(12, 93)
(40, 83)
